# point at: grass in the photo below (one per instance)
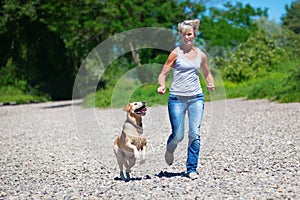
(117, 98)
(282, 85)
(148, 93)
(10, 94)
(279, 85)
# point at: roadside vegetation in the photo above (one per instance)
(44, 43)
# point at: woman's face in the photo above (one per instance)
(188, 37)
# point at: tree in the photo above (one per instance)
(45, 41)
(38, 54)
(291, 22)
(225, 28)
(292, 18)
(130, 14)
(252, 59)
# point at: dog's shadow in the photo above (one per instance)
(170, 174)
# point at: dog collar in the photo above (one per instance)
(139, 128)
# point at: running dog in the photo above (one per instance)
(132, 142)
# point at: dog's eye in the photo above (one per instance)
(135, 104)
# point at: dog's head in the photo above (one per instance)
(137, 108)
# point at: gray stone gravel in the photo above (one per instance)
(249, 150)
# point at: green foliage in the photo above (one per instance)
(252, 59)
(292, 44)
(13, 89)
(280, 85)
(264, 66)
(38, 54)
(9, 80)
(291, 20)
(290, 92)
(43, 43)
(81, 25)
(47, 40)
(148, 93)
(8, 74)
(265, 87)
(101, 99)
(237, 90)
(128, 91)
(10, 94)
(225, 28)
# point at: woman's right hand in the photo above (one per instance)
(161, 89)
(210, 87)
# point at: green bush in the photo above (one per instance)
(253, 59)
(10, 94)
(14, 88)
(100, 99)
(237, 90)
(281, 85)
(290, 92)
(264, 88)
(106, 98)
(148, 93)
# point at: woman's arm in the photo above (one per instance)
(165, 72)
(207, 74)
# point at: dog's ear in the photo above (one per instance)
(127, 108)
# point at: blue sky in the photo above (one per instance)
(276, 7)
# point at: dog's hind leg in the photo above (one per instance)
(120, 158)
(126, 163)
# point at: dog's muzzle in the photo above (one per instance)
(142, 110)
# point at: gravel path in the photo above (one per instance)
(249, 150)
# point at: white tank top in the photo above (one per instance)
(186, 75)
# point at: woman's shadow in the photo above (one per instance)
(161, 174)
(170, 174)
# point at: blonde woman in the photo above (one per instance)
(186, 94)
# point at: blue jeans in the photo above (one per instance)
(177, 107)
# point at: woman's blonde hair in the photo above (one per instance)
(188, 25)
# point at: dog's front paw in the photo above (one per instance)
(136, 154)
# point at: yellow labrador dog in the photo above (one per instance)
(131, 143)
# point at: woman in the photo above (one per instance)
(186, 94)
